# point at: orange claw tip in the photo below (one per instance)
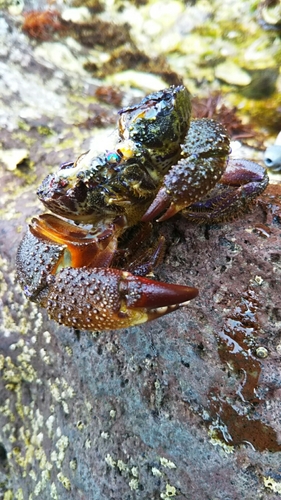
(149, 294)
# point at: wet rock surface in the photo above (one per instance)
(190, 402)
(187, 406)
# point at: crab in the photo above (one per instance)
(78, 262)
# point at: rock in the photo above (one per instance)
(231, 73)
(272, 155)
(137, 79)
(187, 405)
(13, 157)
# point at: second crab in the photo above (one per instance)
(163, 163)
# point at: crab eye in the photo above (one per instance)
(113, 157)
(67, 164)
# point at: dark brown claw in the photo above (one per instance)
(240, 184)
(201, 164)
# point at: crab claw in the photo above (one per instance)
(107, 299)
(202, 163)
(161, 202)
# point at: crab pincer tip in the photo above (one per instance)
(156, 294)
(159, 204)
(158, 299)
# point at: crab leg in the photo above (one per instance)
(239, 186)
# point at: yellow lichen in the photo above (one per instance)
(214, 440)
(55, 392)
(49, 424)
(54, 494)
(109, 460)
(47, 336)
(134, 484)
(273, 485)
(45, 356)
(167, 463)
(33, 475)
(88, 444)
(80, 425)
(19, 494)
(135, 472)
(156, 472)
(68, 350)
(65, 407)
(169, 492)
(62, 443)
(104, 435)
(73, 464)
(2, 361)
(64, 481)
(122, 466)
(8, 495)
(89, 406)
(54, 456)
